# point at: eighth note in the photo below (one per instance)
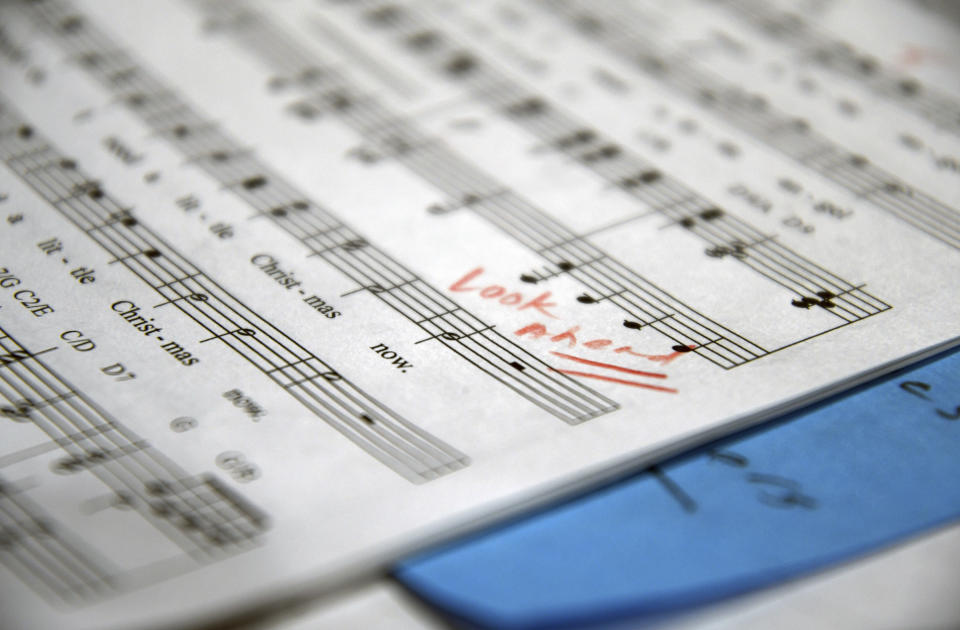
(737, 249)
(809, 302)
(537, 276)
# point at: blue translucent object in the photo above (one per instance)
(817, 487)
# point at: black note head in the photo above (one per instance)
(71, 24)
(383, 16)
(460, 65)
(257, 181)
(424, 40)
(805, 302)
(909, 87)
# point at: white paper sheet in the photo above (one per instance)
(289, 289)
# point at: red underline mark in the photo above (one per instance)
(607, 365)
(617, 380)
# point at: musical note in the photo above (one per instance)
(736, 249)
(460, 65)
(581, 136)
(137, 99)
(252, 183)
(338, 100)
(646, 177)
(306, 110)
(910, 87)
(534, 277)
(71, 24)
(528, 107)
(823, 299)
(423, 41)
(354, 244)
(606, 152)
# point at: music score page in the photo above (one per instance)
(290, 289)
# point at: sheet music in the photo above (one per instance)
(289, 289)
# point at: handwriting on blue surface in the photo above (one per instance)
(819, 486)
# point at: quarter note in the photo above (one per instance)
(460, 65)
(354, 244)
(257, 181)
(528, 107)
(424, 40)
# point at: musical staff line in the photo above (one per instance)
(207, 520)
(325, 235)
(754, 116)
(38, 550)
(620, 168)
(395, 137)
(392, 440)
(834, 55)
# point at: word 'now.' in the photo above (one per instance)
(386, 353)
